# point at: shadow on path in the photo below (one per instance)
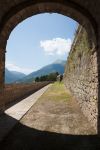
(26, 138)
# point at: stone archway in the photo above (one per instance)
(13, 13)
(22, 10)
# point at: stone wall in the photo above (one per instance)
(81, 76)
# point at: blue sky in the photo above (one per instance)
(38, 41)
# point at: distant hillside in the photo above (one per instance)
(12, 76)
(57, 66)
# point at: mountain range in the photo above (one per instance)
(12, 76)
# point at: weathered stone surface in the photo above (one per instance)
(2, 66)
(82, 79)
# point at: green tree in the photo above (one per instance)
(37, 79)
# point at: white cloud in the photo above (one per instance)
(58, 46)
(13, 67)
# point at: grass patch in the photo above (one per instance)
(58, 92)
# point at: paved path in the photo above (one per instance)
(54, 122)
(16, 112)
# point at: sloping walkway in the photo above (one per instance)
(54, 122)
(12, 115)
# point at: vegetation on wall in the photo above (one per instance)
(80, 51)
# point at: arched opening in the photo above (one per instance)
(26, 48)
(11, 19)
(25, 10)
(40, 40)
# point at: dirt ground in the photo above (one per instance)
(56, 111)
(55, 121)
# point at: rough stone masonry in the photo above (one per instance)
(81, 75)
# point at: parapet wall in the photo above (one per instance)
(81, 75)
